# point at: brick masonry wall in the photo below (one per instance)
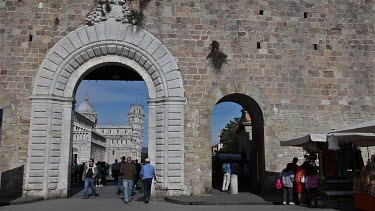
(309, 90)
(21, 56)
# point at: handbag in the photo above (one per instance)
(303, 178)
(278, 184)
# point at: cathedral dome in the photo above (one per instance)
(86, 107)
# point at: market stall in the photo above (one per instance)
(364, 187)
(364, 183)
(339, 160)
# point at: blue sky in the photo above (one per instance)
(112, 100)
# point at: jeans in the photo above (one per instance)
(119, 184)
(226, 182)
(89, 182)
(128, 184)
(147, 187)
(288, 191)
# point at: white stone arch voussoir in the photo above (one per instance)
(50, 142)
(110, 38)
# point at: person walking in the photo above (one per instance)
(147, 173)
(115, 171)
(136, 179)
(98, 174)
(80, 174)
(312, 186)
(226, 176)
(128, 173)
(296, 185)
(119, 183)
(75, 169)
(287, 179)
(104, 173)
(89, 175)
(299, 180)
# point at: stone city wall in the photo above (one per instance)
(312, 60)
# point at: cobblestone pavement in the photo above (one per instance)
(109, 200)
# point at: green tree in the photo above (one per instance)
(229, 137)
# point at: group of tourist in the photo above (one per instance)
(126, 175)
(101, 174)
(300, 181)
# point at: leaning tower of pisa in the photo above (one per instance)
(136, 119)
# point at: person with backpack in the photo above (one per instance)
(226, 176)
(287, 179)
(312, 187)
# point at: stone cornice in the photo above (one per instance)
(36, 98)
(167, 100)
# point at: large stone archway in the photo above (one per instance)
(257, 104)
(50, 142)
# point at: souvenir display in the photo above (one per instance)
(365, 183)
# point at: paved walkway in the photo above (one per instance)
(109, 200)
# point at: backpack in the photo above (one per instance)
(312, 181)
(278, 184)
(225, 168)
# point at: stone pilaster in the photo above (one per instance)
(50, 147)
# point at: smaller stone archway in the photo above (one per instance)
(259, 109)
(73, 57)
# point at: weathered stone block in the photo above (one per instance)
(82, 34)
(68, 46)
(36, 180)
(146, 41)
(53, 173)
(79, 59)
(36, 160)
(111, 30)
(159, 53)
(36, 166)
(73, 37)
(112, 49)
(100, 31)
(104, 50)
(35, 186)
(153, 47)
(91, 33)
(139, 35)
(38, 146)
(39, 173)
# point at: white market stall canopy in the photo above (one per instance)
(361, 135)
(299, 142)
(358, 139)
(333, 139)
(365, 127)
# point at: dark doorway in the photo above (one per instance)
(246, 154)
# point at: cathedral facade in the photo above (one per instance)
(106, 142)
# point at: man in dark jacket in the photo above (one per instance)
(128, 174)
(120, 188)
